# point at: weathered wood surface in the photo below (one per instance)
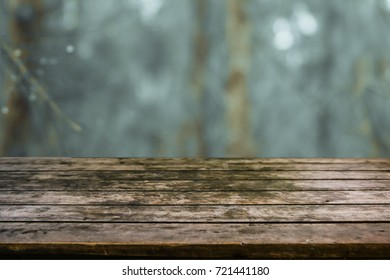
(166, 164)
(125, 198)
(204, 175)
(195, 208)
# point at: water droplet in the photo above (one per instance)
(5, 110)
(387, 4)
(69, 48)
(43, 61)
(17, 53)
(306, 22)
(284, 40)
(148, 8)
(32, 97)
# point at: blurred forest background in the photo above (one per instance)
(207, 78)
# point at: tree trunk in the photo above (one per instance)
(25, 23)
(193, 131)
(238, 111)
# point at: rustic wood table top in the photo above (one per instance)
(194, 208)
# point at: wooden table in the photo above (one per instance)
(194, 208)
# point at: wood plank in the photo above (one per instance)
(266, 241)
(197, 214)
(198, 175)
(62, 164)
(192, 198)
(198, 251)
(20, 184)
(149, 233)
(227, 208)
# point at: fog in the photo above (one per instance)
(195, 78)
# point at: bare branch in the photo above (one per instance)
(20, 69)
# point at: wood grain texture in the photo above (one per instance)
(195, 208)
(114, 185)
(213, 233)
(134, 198)
(197, 214)
(203, 175)
(270, 241)
(142, 164)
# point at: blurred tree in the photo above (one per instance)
(196, 78)
(25, 24)
(238, 32)
(200, 47)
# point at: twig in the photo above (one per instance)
(22, 71)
